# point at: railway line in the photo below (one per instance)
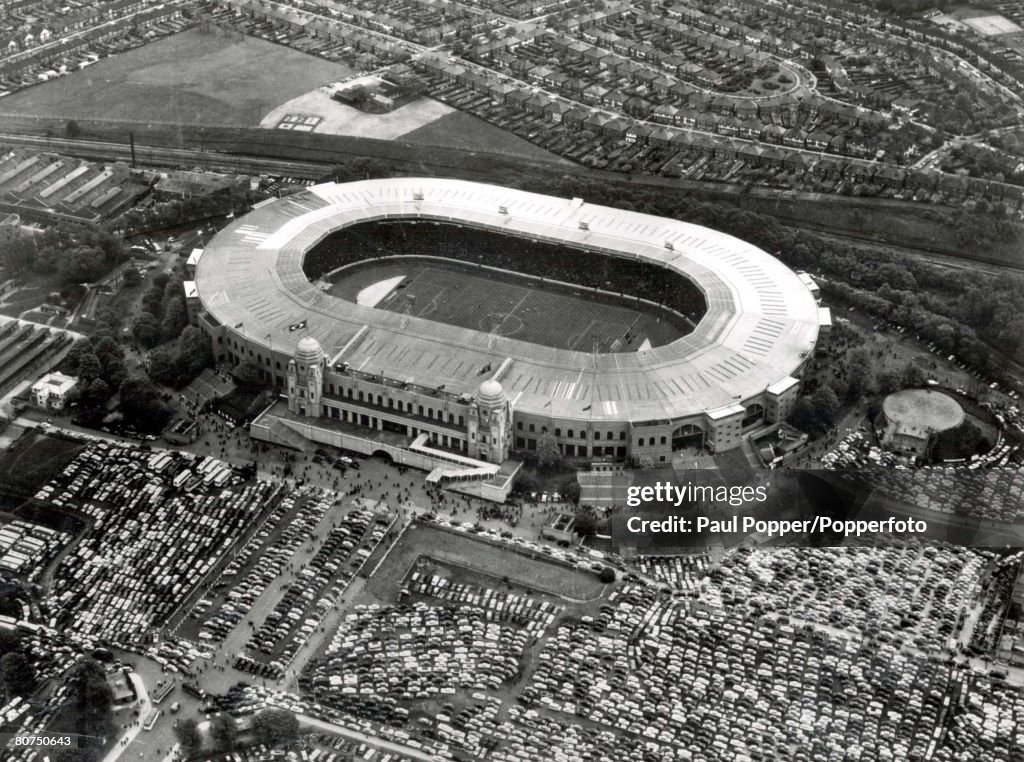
(229, 161)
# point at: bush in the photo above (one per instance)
(607, 575)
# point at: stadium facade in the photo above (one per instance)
(482, 396)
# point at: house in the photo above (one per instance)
(638, 107)
(662, 136)
(889, 176)
(828, 168)
(574, 117)
(752, 154)
(595, 122)
(837, 144)
(537, 103)
(52, 391)
(746, 109)
(818, 140)
(707, 122)
(517, 98)
(595, 94)
(616, 99)
(639, 133)
(687, 117)
(794, 138)
(665, 114)
(729, 126)
(773, 133)
(722, 104)
(556, 111)
(750, 129)
(615, 128)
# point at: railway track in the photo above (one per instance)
(158, 156)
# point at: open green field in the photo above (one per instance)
(470, 133)
(192, 77)
(35, 459)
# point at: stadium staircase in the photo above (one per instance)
(287, 436)
(448, 475)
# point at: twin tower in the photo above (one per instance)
(487, 417)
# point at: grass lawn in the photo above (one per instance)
(465, 131)
(191, 77)
(35, 459)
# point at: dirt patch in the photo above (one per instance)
(338, 119)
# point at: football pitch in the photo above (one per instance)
(507, 304)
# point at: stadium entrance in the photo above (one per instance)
(687, 436)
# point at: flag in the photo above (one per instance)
(240, 325)
(587, 408)
(297, 326)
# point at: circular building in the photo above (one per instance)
(912, 418)
(399, 371)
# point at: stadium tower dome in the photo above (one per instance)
(490, 393)
(490, 423)
(306, 378)
(309, 352)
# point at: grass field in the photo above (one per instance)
(509, 305)
(191, 77)
(468, 553)
(470, 133)
(35, 458)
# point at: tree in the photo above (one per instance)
(163, 366)
(274, 725)
(141, 405)
(913, 376)
(132, 278)
(89, 367)
(571, 491)
(175, 315)
(89, 698)
(888, 382)
(187, 733)
(246, 374)
(548, 453)
(585, 524)
(826, 405)
(194, 352)
(525, 483)
(72, 130)
(10, 641)
(224, 732)
(145, 330)
(607, 575)
(17, 675)
(859, 376)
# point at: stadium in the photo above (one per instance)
(464, 321)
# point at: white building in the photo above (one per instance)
(52, 390)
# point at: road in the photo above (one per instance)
(305, 721)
